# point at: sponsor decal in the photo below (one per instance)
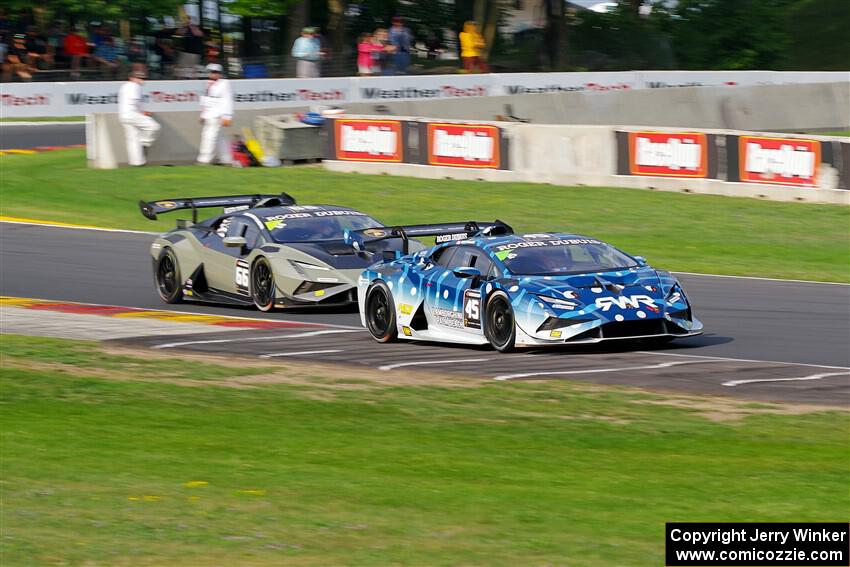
(472, 309)
(374, 233)
(236, 208)
(405, 309)
(542, 243)
(447, 91)
(440, 238)
(242, 277)
(464, 145)
(780, 161)
(32, 100)
(555, 334)
(664, 154)
(626, 302)
(319, 293)
(368, 140)
(166, 204)
(522, 89)
(448, 318)
(407, 332)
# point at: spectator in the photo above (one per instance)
(106, 55)
(164, 50)
(382, 53)
(433, 45)
(307, 51)
(140, 129)
(38, 49)
(365, 50)
(402, 42)
(216, 111)
(471, 46)
(17, 60)
(189, 56)
(76, 50)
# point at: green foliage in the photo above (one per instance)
(260, 8)
(730, 34)
(819, 33)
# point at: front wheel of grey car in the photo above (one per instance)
(499, 325)
(262, 285)
(167, 277)
(380, 313)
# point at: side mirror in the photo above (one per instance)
(467, 272)
(641, 261)
(235, 241)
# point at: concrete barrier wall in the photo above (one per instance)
(594, 156)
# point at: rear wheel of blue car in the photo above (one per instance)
(499, 325)
(167, 277)
(380, 313)
(262, 285)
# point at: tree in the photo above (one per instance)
(555, 36)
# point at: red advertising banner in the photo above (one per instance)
(668, 154)
(368, 140)
(464, 145)
(780, 161)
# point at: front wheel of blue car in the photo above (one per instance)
(499, 325)
(380, 313)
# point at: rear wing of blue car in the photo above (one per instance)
(230, 203)
(444, 232)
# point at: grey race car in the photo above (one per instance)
(264, 250)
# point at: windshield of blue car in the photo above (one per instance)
(565, 256)
(321, 225)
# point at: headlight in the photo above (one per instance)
(301, 266)
(558, 303)
(675, 295)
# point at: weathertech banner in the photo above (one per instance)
(778, 161)
(464, 145)
(367, 140)
(666, 154)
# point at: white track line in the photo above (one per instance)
(759, 279)
(428, 362)
(742, 360)
(798, 378)
(81, 227)
(45, 123)
(252, 339)
(504, 377)
(299, 353)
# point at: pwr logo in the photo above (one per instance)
(368, 140)
(781, 161)
(626, 302)
(464, 145)
(664, 154)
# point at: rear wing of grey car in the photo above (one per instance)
(230, 203)
(444, 232)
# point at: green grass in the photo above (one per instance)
(123, 467)
(45, 119)
(696, 233)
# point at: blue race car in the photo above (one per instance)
(483, 284)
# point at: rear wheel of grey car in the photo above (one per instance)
(167, 277)
(499, 325)
(262, 284)
(380, 313)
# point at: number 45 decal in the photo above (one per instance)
(243, 276)
(472, 309)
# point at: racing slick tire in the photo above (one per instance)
(499, 323)
(166, 275)
(262, 284)
(380, 313)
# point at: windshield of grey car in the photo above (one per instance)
(561, 256)
(317, 225)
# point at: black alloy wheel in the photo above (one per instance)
(500, 327)
(380, 313)
(262, 285)
(167, 277)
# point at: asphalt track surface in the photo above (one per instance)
(33, 135)
(765, 339)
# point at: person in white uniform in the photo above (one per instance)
(216, 111)
(140, 129)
